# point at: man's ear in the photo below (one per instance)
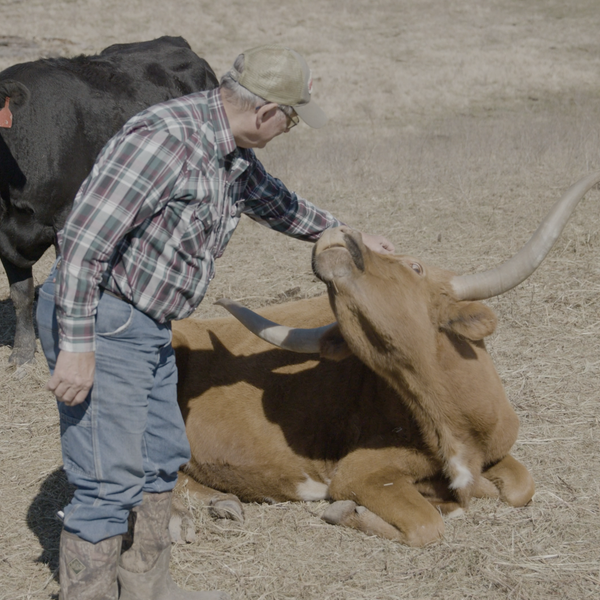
(265, 112)
(333, 345)
(472, 320)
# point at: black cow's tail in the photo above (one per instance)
(16, 91)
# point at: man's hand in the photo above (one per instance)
(378, 243)
(73, 376)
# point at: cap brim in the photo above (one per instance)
(311, 114)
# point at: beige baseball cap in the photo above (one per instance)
(279, 74)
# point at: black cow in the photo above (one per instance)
(64, 111)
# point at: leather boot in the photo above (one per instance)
(143, 571)
(88, 571)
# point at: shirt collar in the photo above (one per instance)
(218, 116)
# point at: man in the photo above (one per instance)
(137, 251)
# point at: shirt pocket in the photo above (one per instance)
(198, 233)
(195, 204)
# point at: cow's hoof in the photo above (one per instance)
(20, 356)
(454, 514)
(338, 512)
(227, 507)
(181, 525)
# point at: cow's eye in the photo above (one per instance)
(417, 268)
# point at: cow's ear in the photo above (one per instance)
(16, 91)
(333, 345)
(472, 320)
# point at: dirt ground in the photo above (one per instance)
(455, 124)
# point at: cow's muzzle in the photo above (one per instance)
(338, 253)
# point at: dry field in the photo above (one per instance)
(455, 124)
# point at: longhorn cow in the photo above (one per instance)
(400, 420)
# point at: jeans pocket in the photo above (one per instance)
(76, 436)
(113, 316)
(47, 324)
(46, 314)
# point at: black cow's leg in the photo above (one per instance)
(21, 294)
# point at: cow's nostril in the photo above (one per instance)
(355, 252)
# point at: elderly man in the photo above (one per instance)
(137, 251)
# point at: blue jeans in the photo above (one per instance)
(128, 436)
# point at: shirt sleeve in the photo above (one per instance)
(269, 202)
(131, 175)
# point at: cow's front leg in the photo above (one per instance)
(390, 495)
(21, 294)
(513, 480)
(223, 506)
(350, 514)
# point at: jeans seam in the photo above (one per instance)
(95, 442)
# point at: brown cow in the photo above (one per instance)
(405, 424)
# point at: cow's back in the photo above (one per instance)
(73, 107)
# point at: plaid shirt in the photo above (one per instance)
(160, 205)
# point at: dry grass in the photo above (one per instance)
(455, 125)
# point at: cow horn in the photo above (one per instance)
(305, 341)
(511, 273)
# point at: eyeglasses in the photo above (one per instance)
(291, 115)
(292, 118)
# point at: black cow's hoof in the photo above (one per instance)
(21, 356)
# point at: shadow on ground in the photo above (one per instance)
(55, 493)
